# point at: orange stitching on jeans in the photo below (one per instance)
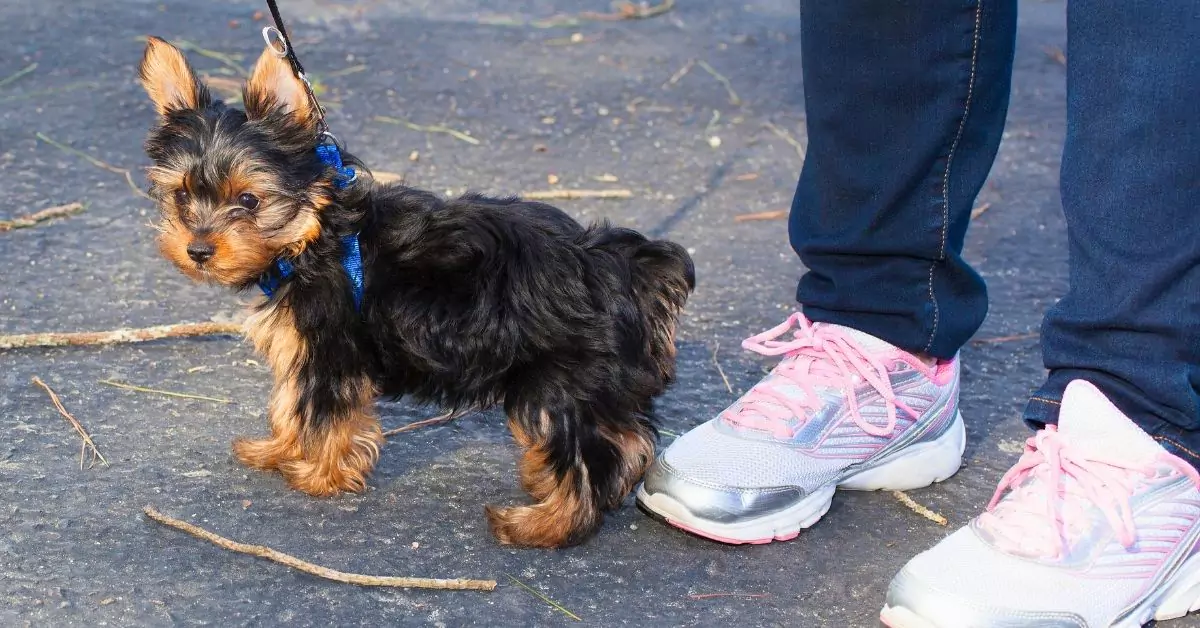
(1044, 400)
(962, 123)
(1178, 445)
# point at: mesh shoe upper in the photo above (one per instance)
(1092, 519)
(837, 399)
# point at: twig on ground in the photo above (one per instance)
(733, 97)
(680, 73)
(546, 195)
(22, 222)
(95, 162)
(12, 78)
(1056, 53)
(229, 88)
(432, 128)
(415, 425)
(354, 69)
(545, 599)
(707, 596)
(720, 370)
(87, 440)
(919, 509)
(382, 176)
(49, 91)
(166, 393)
(263, 551)
(978, 211)
(787, 137)
(630, 11)
(999, 339)
(119, 336)
(769, 215)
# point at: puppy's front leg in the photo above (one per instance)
(325, 435)
(339, 435)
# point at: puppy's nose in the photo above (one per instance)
(200, 251)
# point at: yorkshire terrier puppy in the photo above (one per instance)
(465, 303)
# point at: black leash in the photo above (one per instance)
(289, 52)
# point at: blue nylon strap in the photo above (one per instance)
(270, 281)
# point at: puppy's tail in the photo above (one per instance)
(663, 277)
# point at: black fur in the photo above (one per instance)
(468, 303)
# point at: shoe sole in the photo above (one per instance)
(1178, 597)
(914, 467)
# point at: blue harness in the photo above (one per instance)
(269, 282)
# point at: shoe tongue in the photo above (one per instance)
(868, 342)
(1091, 422)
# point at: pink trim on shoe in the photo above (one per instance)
(818, 356)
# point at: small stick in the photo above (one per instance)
(354, 69)
(118, 336)
(919, 509)
(680, 73)
(167, 393)
(95, 162)
(770, 215)
(978, 211)
(544, 598)
(441, 418)
(733, 97)
(630, 11)
(40, 216)
(74, 423)
(719, 369)
(434, 128)
(787, 137)
(706, 596)
(1056, 53)
(998, 339)
(22, 72)
(545, 195)
(263, 551)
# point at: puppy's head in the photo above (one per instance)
(235, 189)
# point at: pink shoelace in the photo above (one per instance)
(817, 356)
(1109, 483)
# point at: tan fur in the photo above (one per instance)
(167, 78)
(637, 452)
(323, 462)
(272, 85)
(273, 333)
(561, 516)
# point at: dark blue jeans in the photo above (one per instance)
(906, 101)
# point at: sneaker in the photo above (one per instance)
(842, 409)
(1096, 525)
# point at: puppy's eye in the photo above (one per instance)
(181, 197)
(248, 201)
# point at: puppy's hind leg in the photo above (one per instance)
(576, 463)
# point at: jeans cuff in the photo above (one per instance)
(1042, 410)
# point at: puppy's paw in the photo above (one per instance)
(323, 480)
(265, 454)
(537, 526)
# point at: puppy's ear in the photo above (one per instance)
(169, 80)
(273, 87)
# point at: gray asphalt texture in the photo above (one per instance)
(578, 102)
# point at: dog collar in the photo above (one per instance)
(269, 283)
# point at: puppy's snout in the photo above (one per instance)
(200, 251)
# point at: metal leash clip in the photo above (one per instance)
(275, 41)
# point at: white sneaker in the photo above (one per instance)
(842, 409)
(1096, 525)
